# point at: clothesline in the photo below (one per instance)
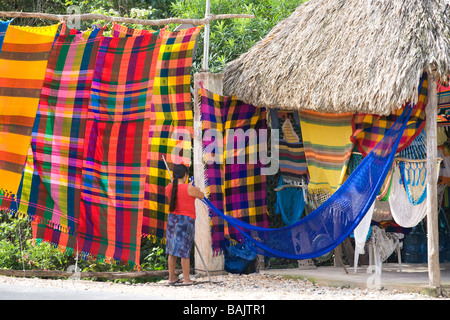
(93, 16)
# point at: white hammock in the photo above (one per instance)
(405, 213)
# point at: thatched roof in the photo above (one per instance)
(345, 56)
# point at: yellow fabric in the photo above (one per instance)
(326, 139)
(23, 63)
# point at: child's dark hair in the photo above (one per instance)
(179, 171)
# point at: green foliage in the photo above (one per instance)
(18, 252)
(232, 37)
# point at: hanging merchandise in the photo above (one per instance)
(327, 149)
(443, 103)
(369, 129)
(123, 31)
(23, 63)
(291, 151)
(330, 224)
(61, 115)
(237, 187)
(115, 150)
(290, 203)
(171, 124)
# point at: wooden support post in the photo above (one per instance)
(215, 264)
(432, 213)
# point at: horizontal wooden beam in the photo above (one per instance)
(94, 16)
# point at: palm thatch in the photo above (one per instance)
(345, 56)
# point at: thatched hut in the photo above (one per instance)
(345, 56)
(364, 56)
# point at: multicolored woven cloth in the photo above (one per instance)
(443, 105)
(123, 31)
(23, 62)
(292, 159)
(326, 138)
(369, 129)
(58, 134)
(171, 117)
(3, 27)
(115, 153)
(236, 184)
(171, 91)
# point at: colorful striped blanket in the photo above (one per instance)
(234, 181)
(326, 138)
(292, 159)
(369, 129)
(23, 62)
(171, 124)
(58, 134)
(115, 153)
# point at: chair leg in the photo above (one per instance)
(399, 256)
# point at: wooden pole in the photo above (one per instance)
(93, 16)
(205, 67)
(432, 213)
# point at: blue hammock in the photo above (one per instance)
(331, 223)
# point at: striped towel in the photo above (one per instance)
(292, 159)
(23, 62)
(58, 133)
(369, 129)
(326, 138)
(115, 153)
(171, 114)
(236, 188)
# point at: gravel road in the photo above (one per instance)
(225, 287)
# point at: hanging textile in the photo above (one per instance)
(58, 134)
(327, 149)
(443, 103)
(331, 223)
(292, 160)
(290, 203)
(244, 183)
(23, 62)
(123, 31)
(369, 129)
(171, 124)
(234, 181)
(3, 27)
(115, 151)
(443, 152)
(403, 211)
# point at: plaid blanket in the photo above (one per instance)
(292, 159)
(58, 133)
(369, 129)
(115, 152)
(326, 138)
(237, 187)
(171, 116)
(23, 62)
(123, 31)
